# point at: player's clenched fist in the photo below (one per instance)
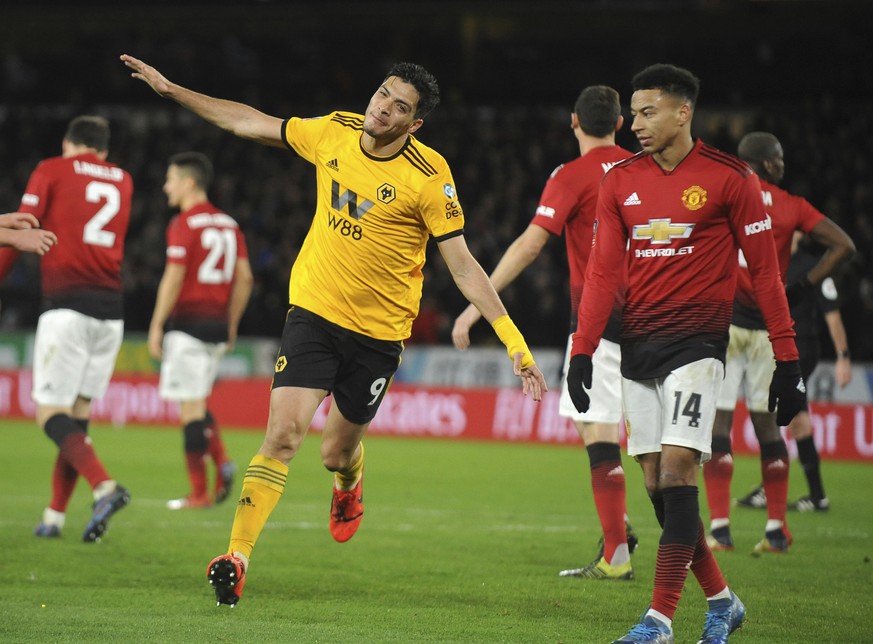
(787, 391)
(578, 380)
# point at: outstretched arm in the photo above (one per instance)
(474, 284)
(242, 120)
(524, 250)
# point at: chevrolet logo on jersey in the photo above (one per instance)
(662, 231)
(348, 198)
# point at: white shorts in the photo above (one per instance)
(605, 393)
(748, 370)
(73, 355)
(678, 409)
(189, 366)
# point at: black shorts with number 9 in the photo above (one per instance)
(318, 354)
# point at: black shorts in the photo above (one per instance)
(318, 354)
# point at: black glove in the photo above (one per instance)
(797, 291)
(578, 380)
(787, 391)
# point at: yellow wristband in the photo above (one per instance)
(509, 335)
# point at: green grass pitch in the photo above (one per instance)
(461, 542)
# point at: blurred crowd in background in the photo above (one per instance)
(509, 82)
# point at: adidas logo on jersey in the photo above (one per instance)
(333, 165)
(633, 200)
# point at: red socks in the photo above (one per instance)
(774, 475)
(78, 452)
(676, 549)
(705, 567)
(608, 485)
(717, 474)
(64, 479)
(196, 465)
(215, 446)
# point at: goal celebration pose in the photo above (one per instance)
(355, 287)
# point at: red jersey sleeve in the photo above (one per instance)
(808, 215)
(755, 237)
(34, 202)
(603, 275)
(178, 241)
(35, 199)
(556, 203)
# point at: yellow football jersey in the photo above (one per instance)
(360, 264)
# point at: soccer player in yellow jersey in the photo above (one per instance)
(355, 287)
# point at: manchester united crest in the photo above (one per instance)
(694, 198)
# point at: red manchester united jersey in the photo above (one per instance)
(86, 203)
(786, 213)
(678, 233)
(567, 205)
(208, 243)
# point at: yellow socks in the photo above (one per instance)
(262, 488)
(348, 479)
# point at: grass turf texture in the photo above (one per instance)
(461, 542)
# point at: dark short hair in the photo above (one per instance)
(598, 108)
(423, 82)
(196, 165)
(90, 131)
(670, 79)
(757, 147)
